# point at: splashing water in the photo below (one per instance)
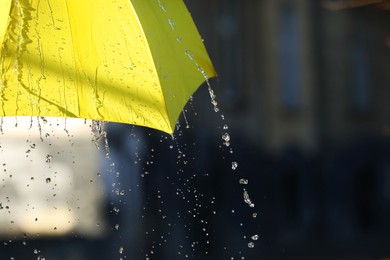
(97, 129)
(234, 166)
(225, 136)
(213, 100)
(243, 181)
(226, 139)
(247, 200)
(49, 157)
(98, 132)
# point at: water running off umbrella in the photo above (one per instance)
(97, 127)
(225, 136)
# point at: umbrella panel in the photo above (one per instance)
(133, 62)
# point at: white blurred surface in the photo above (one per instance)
(49, 181)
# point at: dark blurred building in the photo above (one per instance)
(305, 86)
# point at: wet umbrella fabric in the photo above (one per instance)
(134, 62)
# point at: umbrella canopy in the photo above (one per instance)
(128, 61)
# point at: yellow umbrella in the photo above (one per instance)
(129, 61)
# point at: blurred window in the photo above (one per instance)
(228, 27)
(291, 89)
(361, 75)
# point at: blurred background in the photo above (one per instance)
(303, 91)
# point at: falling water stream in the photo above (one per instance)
(225, 136)
(186, 187)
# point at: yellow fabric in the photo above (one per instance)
(4, 11)
(133, 62)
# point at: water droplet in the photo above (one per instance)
(41, 258)
(189, 54)
(171, 23)
(117, 226)
(44, 120)
(116, 209)
(251, 245)
(244, 181)
(247, 199)
(121, 249)
(48, 180)
(255, 237)
(225, 127)
(254, 215)
(212, 95)
(226, 138)
(161, 6)
(49, 158)
(234, 166)
(97, 129)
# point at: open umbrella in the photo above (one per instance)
(129, 61)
